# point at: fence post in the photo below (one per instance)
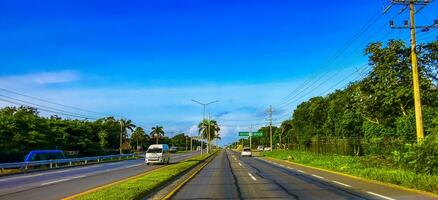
(51, 164)
(86, 161)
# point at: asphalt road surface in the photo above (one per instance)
(228, 176)
(59, 183)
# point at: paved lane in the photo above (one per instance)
(55, 184)
(230, 177)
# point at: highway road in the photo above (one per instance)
(58, 183)
(228, 176)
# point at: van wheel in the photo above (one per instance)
(168, 161)
(147, 163)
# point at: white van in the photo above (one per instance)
(157, 153)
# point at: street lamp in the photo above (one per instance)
(204, 105)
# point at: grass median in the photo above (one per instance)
(360, 166)
(139, 187)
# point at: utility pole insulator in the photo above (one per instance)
(415, 75)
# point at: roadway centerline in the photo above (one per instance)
(253, 178)
(381, 196)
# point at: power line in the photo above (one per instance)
(51, 102)
(47, 110)
(338, 53)
(46, 107)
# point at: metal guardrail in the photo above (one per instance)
(24, 166)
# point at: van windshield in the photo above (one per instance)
(154, 150)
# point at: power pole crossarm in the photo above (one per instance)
(415, 75)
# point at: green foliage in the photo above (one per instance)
(157, 133)
(139, 187)
(22, 130)
(369, 167)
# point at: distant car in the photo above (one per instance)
(37, 155)
(173, 149)
(260, 148)
(246, 152)
(157, 153)
(267, 149)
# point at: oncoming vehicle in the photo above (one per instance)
(157, 153)
(173, 149)
(37, 155)
(246, 152)
(260, 148)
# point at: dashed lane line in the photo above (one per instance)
(240, 164)
(381, 196)
(346, 185)
(253, 178)
(320, 177)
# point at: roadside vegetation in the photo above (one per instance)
(361, 166)
(139, 187)
(23, 129)
(368, 128)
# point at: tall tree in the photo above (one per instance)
(125, 125)
(157, 132)
(209, 129)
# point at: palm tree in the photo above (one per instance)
(209, 129)
(139, 135)
(157, 131)
(125, 125)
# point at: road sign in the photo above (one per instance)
(253, 134)
(243, 133)
(257, 134)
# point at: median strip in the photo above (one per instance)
(138, 186)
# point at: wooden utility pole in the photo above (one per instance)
(415, 75)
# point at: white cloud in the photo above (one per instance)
(170, 106)
(39, 79)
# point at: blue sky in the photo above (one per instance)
(146, 60)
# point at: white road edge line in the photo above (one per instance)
(320, 177)
(381, 196)
(240, 164)
(300, 171)
(253, 178)
(346, 185)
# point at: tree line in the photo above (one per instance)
(22, 129)
(371, 116)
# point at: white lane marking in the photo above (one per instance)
(136, 165)
(253, 178)
(57, 181)
(381, 196)
(240, 164)
(320, 177)
(346, 185)
(281, 165)
(300, 171)
(290, 168)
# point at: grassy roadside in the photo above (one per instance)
(359, 166)
(139, 187)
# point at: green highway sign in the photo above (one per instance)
(257, 134)
(243, 133)
(253, 134)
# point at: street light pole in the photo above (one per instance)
(203, 117)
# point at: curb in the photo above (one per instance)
(179, 186)
(359, 178)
